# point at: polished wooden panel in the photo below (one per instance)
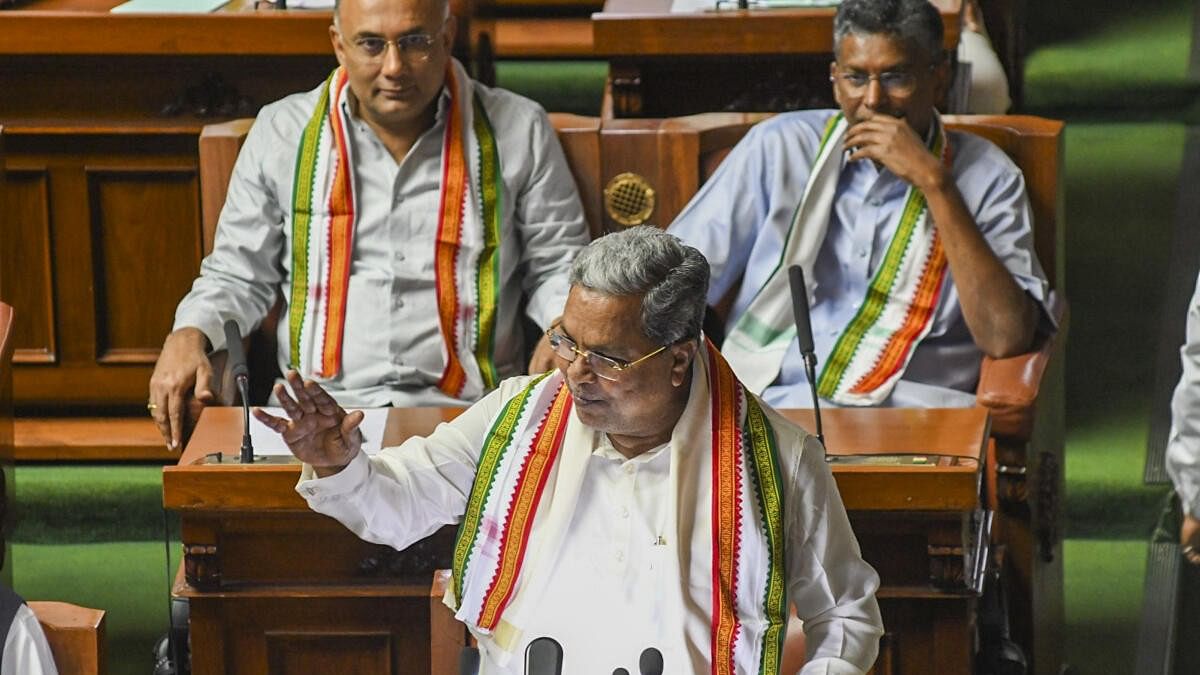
(580, 139)
(76, 636)
(25, 261)
(41, 439)
(134, 309)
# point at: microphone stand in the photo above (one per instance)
(805, 338)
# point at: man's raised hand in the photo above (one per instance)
(318, 431)
(890, 142)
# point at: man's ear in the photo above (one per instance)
(682, 355)
(449, 31)
(338, 48)
(833, 82)
(941, 77)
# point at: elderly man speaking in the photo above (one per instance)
(638, 496)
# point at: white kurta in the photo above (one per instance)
(1183, 447)
(25, 649)
(604, 599)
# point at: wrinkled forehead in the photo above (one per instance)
(880, 51)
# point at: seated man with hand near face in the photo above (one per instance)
(637, 496)
(916, 241)
(404, 213)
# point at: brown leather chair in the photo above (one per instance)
(628, 169)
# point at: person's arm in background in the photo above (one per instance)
(1183, 446)
(238, 280)
(549, 217)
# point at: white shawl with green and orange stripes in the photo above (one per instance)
(873, 350)
(467, 252)
(724, 461)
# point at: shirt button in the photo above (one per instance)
(620, 556)
(629, 469)
(399, 303)
(311, 492)
(875, 202)
(624, 512)
(399, 255)
(862, 253)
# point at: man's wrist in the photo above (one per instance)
(327, 471)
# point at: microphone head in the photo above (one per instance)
(233, 345)
(800, 309)
(651, 662)
(620, 671)
(543, 656)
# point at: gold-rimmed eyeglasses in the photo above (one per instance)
(606, 367)
(894, 82)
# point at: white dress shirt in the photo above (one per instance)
(26, 651)
(1183, 446)
(393, 343)
(740, 218)
(603, 600)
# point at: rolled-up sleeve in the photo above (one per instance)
(831, 586)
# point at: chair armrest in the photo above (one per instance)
(1009, 387)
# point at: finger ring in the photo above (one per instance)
(151, 407)
(1188, 550)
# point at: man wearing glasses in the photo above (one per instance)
(916, 241)
(637, 496)
(404, 214)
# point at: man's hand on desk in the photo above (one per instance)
(1189, 538)
(319, 432)
(182, 370)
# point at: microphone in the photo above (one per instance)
(620, 671)
(241, 375)
(805, 337)
(650, 662)
(468, 661)
(543, 656)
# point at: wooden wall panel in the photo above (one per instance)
(316, 653)
(110, 238)
(142, 223)
(26, 259)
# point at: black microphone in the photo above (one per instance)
(650, 662)
(620, 671)
(543, 656)
(241, 375)
(805, 337)
(468, 661)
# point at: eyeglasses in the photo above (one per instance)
(605, 367)
(894, 82)
(414, 47)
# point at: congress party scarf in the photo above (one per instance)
(873, 350)
(527, 486)
(466, 249)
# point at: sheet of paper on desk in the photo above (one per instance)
(267, 442)
(310, 4)
(724, 5)
(167, 6)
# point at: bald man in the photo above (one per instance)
(404, 214)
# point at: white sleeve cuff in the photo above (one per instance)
(319, 490)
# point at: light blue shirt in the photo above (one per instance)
(741, 216)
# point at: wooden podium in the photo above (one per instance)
(275, 588)
(666, 64)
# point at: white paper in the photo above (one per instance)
(167, 6)
(267, 442)
(310, 4)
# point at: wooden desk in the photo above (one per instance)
(664, 64)
(253, 579)
(101, 180)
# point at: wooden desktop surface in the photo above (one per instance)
(63, 27)
(648, 28)
(952, 439)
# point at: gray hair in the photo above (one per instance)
(337, 6)
(915, 22)
(671, 277)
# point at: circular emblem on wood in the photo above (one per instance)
(629, 199)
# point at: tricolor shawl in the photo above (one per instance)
(723, 451)
(324, 211)
(873, 350)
